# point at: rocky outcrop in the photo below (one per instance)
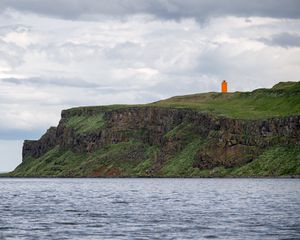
(229, 142)
(238, 141)
(37, 148)
(148, 124)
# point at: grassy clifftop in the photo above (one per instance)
(281, 100)
(199, 135)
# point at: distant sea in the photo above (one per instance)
(130, 208)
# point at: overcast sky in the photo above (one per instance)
(57, 54)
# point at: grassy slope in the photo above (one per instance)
(134, 158)
(110, 161)
(275, 161)
(86, 124)
(282, 100)
(116, 159)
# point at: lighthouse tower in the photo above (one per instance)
(224, 86)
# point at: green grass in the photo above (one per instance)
(286, 86)
(182, 163)
(144, 166)
(273, 162)
(4, 174)
(135, 158)
(119, 160)
(282, 100)
(56, 162)
(183, 131)
(86, 124)
(125, 159)
(276, 161)
(98, 109)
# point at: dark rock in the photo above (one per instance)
(37, 148)
(232, 142)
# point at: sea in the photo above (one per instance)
(149, 208)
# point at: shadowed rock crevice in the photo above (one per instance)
(170, 138)
(228, 142)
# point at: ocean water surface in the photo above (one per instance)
(128, 208)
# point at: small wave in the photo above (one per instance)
(66, 223)
(211, 236)
(120, 202)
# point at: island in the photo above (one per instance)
(232, 134)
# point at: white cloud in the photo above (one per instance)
(133, 53)
(47, 64)
(163, 9)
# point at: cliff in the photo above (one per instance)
(234, 134)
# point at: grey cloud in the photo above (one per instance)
(68, 52)
(11, 54)
(285, 40)
(168, 9)
(120, 52)
(20, 134)
(53, 81)
(19, 28)
(66, 82)
(50, 84)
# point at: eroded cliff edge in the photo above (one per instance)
(211, 134)
(153, 141)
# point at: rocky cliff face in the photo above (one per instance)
(37, 148)
(228, 142)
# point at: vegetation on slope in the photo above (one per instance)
(276, 161)
(136, 158)
(281, 100)
(121, 159)
(86, 124)
(182, 163)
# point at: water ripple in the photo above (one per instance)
(149, 209)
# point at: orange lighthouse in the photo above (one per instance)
(224, 86)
